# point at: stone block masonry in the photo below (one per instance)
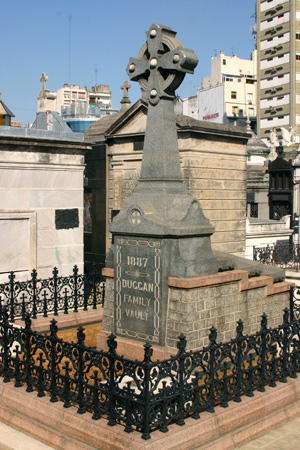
(197, 304)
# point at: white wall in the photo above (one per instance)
(211, 104)
(35, 181)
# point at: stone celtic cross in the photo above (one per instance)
(161, 64)
(125, 88)
(43, 80)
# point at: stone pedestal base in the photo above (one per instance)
(226, 428)
(196, 304)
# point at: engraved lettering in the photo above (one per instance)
(138, 285)
(141, 301)
(139, 315)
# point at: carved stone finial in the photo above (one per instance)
(125, 102)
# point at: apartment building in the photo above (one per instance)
(228, 94)
(278, 52)
(78, 106)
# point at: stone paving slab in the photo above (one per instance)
(11, 439)
(286, 437)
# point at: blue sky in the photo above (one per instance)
(106, 33)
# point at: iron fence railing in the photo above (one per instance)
(295, 303)
(52, 295)
(148, 395)
(281, 255)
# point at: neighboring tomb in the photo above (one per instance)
(41, 217)
(213, 167)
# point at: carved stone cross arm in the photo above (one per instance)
(161, 64)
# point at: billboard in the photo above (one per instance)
(211, 103)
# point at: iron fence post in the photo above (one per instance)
(45, 303)
(112, 344)
(263, 332)
(75, 275)
(292, 292)
(5, 345)
(28, 334)
(286, 329)
(148, 351)
(54, 339)
(55, 299)
(181, 345)
(212, 348)
(34, 292)
(80, 348)
(239, 340)
(11, 277)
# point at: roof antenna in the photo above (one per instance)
(70, 18)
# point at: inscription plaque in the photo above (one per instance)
(138, 288)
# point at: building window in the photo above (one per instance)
(224, 62)
(235, 110)
(250, 98)
(298, 36)
(233, 94)
(297, 56)
(253, 209)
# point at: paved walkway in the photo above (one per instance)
(286, 437)
(11, 439)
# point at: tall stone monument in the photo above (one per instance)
(161, 230)
(162, 276)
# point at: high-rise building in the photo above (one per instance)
(278, 51)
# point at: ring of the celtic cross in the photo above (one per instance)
(171, 80)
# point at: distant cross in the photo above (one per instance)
(43, 80)
(162, 64)
(126, 86)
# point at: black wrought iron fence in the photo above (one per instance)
(52, 295)
(281, 255)
(295, 303)
(148, 395)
